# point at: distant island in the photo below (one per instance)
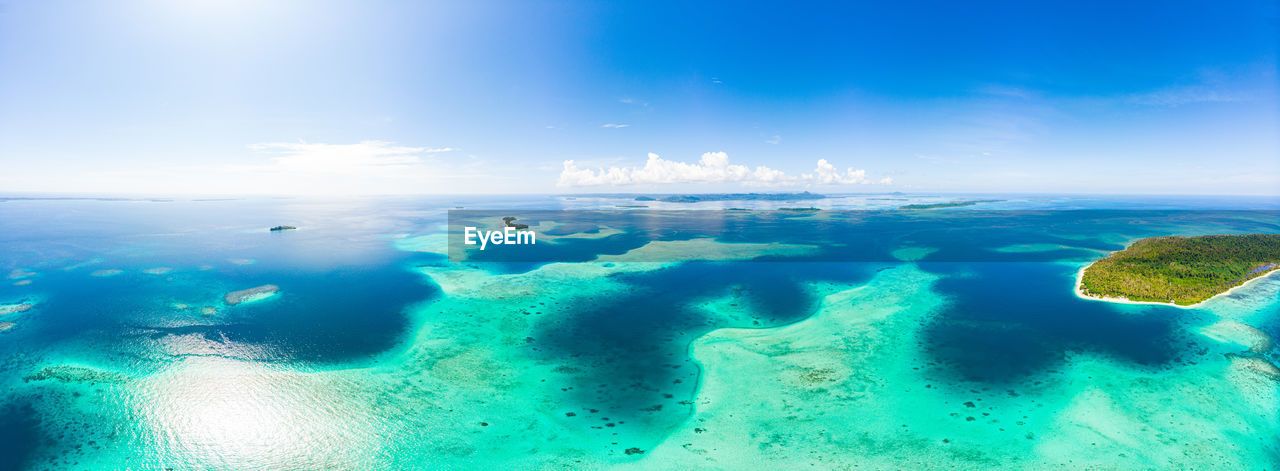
(1182, 271)
(283, 228)
(509, 221)
(953, 204)
(732, 197)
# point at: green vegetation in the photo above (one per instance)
(953, 204)
(1182, 270)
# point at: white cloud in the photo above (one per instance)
(614, 125)
(1212, 86)
(366, 167)
(827, 174)
(773, 140)
(360, 158)
(297, 168)
(1007, 91)
(1177, 96)
(713, 167)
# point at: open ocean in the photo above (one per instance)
(859, 335)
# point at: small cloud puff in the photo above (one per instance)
(341, 158)
(1178, 96)
(713, 167)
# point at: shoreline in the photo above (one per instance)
(1079, 290)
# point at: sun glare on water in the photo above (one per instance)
(223, 413)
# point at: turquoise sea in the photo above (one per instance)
(718, 335)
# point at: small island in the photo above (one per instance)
(1181, 271)
(953, 204)
(249, 295)
(283, 228)
(698, 198)
(510, 221)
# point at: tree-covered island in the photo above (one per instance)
(1181, 270)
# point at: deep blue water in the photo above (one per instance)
(1011, 320)
(19, 433)
(1008, 317)
(343, 288)
(633, 348)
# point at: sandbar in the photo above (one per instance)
(12, 308)
(250, 295)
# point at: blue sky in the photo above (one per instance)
(532, 97)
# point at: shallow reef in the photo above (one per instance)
(256, 293)
(630, 363)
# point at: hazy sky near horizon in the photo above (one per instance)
(327, 97)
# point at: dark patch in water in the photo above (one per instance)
(19, 434)
(1008, 321)
(629, 353)
(341, 314)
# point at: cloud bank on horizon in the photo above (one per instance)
(713, 167)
